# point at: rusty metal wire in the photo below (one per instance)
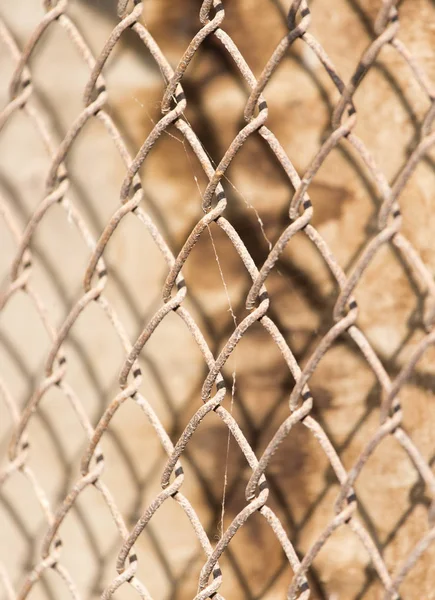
(214, 205)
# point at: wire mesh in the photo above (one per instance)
(258, 313)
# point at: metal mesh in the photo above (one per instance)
(216, 387)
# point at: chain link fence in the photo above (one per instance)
(218, 300)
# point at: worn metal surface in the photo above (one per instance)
(218, 299)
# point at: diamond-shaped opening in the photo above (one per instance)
(136, 108)
(259, 195)
(21, 521)
(216, 97)
(48, 457)
(262, 381)
(24, 344)
(346, 575)
(135, 87)
(302, 290)
(134, 264)
(125, 473)
(23, 165)
(56, 292)
(63, 253)
(252, 180)
(215, 468)
(389, 314)
(130, 61)
(396, 527)
(95, 191)
(297, 476)
(56, 436)
(89, 526)
(169, 553)
(96, 352)
(173, 182)
(390, 110)
(61, 97)
(300, 97)
(302, 277)
(173, 369)
(90, 387)
(139, 453)
(343, 212)
(217, 281)
(345, 392)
